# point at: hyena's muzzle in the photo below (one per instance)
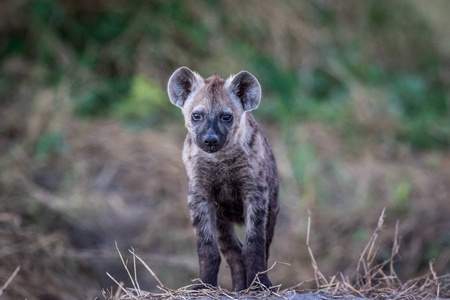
(211, 132)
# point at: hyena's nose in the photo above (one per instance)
(210, 140)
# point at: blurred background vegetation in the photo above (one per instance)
(356, 103)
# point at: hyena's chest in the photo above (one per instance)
(224, 184)
(228, 201)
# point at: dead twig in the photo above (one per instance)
(121, 286)
(128, 271)
(10, 279)
(264, 272)
(148, 268)
(317, 274)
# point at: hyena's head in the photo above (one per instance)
(213, 108)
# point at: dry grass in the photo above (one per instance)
(380, 281)
(35, 266)
(377, 281)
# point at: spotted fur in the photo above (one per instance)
(232, 176)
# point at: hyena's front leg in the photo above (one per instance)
(254, 251)
(203, 220)
(231, 248)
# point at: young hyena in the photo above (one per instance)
(231, 171)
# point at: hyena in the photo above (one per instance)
(232, 176)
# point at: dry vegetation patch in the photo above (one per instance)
(370, 281)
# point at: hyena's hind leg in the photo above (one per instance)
(231, 248)
(270, 228)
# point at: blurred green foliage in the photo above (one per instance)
(403, 193)
(49, 144)
(118, 56)
(144, 98)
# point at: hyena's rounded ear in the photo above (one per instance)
(181, 84)
(246, 88)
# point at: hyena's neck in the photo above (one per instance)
(249, 133)
(242, 129)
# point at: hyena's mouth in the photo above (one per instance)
(210, 149)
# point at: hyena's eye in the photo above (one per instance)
(227, 118)
(196, 117)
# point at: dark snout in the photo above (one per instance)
(211, 140)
